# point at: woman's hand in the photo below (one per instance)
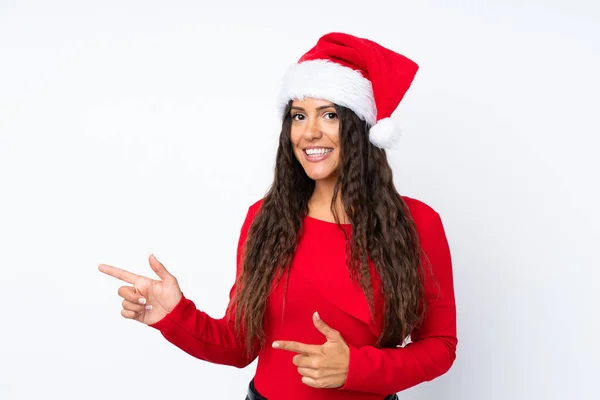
(321, 366)
(148, 300)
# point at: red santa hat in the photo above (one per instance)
(356, 73)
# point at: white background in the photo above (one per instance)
(128, 128)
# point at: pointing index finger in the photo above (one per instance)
(118, 273)
(308, 349)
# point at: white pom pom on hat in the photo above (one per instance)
(356, 73)
(385, 133)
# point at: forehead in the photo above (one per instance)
(311, 102)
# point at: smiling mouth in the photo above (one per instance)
(317, 152)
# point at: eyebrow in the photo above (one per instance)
(318, 108)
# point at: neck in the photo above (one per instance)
(320, 201)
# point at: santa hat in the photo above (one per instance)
(356, 73)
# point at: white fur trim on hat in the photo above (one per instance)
(385, 133)
(329, 81)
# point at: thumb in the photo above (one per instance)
(330, 333)
(159, 269)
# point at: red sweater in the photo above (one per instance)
(319, 282)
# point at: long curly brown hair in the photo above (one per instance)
(381, 228)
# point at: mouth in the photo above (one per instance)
(317, 153)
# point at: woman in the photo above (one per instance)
(335, 269)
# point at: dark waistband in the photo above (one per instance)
(254, 395)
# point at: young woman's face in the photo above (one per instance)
(315, 137)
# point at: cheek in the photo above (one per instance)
(336, 157)
(294, 137)
(333, 134)
(336, 160)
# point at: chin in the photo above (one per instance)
(320, 175)
(320, 171)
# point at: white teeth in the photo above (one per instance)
(317, 152)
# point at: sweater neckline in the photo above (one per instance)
(321, 221)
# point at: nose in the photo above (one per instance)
(313, 129)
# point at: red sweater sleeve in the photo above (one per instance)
(202, 336)
(433, 348)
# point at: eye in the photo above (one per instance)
(330, 115)
(297, 115)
